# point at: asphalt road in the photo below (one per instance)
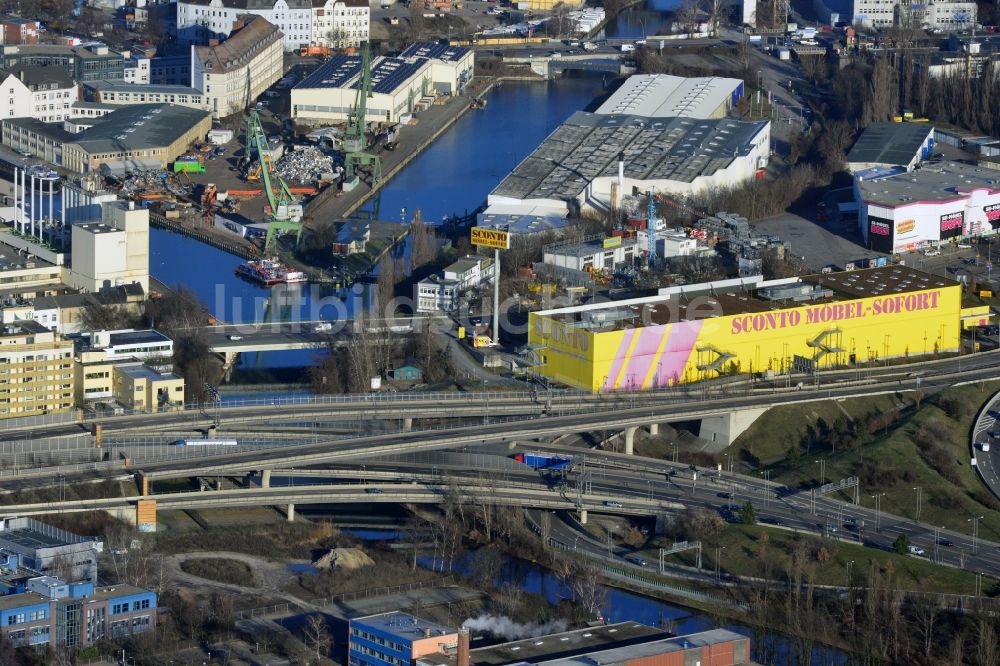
(987, 431)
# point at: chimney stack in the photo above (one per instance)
(462, 656)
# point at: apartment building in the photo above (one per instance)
(36, 370)
(45, 93)
(233, 73)
(340, 23)
(334, 23)
(199, 21)
(18, 31)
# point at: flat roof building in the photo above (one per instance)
(666, 96)
(39, 370)
(399, 84)
(885, 145)
(117, 94)
(129, 135)
(748, 325)
(396, 639)
(82, 63)
(576, 167)
(41, 547)
(939, 202)
(442, 291)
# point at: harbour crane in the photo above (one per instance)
(285, 214)
(356, 143)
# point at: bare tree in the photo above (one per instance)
(317, 635)
(587, 588)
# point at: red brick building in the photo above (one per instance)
(19, 31)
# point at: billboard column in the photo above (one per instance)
(496, 297)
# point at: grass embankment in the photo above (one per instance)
(221, 569)
(767, 552)
(893, 444)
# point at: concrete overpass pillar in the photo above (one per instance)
(290, 512)
(723, 430)
(654, 429)
(218, 483)
(142, 482)
(265, 479)
(630, 440)
(583, 516)
(408, 423)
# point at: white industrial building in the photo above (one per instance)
(938, 202)
(112, 252)
(577, 167)
(594, 254)
(335, 23)
(400, 85)
(234, 73)
(666, 96)
(441, 292)
(886, 13)
(116, 93)
(44, 93)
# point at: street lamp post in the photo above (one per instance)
(822, 471)
(849, 565)
(919, 493)
(975, 532)
(718, 568)
(878, 510)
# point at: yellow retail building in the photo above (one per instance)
(749, 325)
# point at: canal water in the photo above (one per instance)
(622, 606)
(453, 175)
(649, 18)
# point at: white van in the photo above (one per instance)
(985, 446)
(627, 47)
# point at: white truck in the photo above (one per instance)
(589, 46)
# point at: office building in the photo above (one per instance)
(131, 369)
(441, 292)
(577, 167)
(137, 69)
(44, 93)
(170, 70)
(44, 549)
(396, 639)
(234, 73)
(38, 377)
(142, 136)
(115, 93)
(941, 16)
(400, 85)
(94, 62)
(886, 145)
(665, 96)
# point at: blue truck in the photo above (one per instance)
(545, 462)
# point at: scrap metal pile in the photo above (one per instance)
(305, 164)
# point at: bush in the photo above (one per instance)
(221, 569)
(902, 544)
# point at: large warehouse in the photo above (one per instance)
(576, 167)
(696, 332)
(666, 96)
(139, 135)
(422, 71)
(900, 212)
(888, 145)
